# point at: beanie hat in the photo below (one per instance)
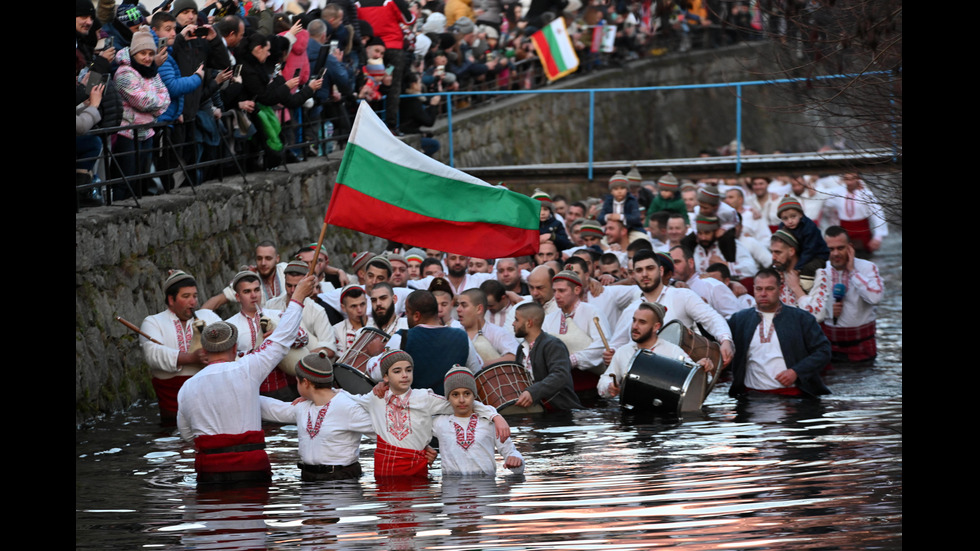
(668, 182)
(788, 203)
(709, 195)
(361, 260)
(391, 357)
(142, 40)
(618, 180)
(634, 175)
(296, 267)
(181, 5)
(458, 377)
(591, 227)
(316, 367)
(786, 237)
(707, 223)
(569, 276)
(130, 15)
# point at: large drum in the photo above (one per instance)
(369, 342)
(696, 346)
(352, 380)
(350, 370)
(657, 383)
(500, 384)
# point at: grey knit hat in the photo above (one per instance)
(219, 336)
(668, 182)
(709, 195)
(317, 368)
(458, 377)
(296, 267)
(393, 356)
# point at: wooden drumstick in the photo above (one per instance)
(136, 329)
(601, 334)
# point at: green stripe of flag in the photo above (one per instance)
(433, 195)
(556, 50)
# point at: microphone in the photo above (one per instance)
(839, 291)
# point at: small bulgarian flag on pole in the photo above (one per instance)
(388, 189)
(555, 50)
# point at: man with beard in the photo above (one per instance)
(856, 289)
(354, 304)
(501, 304)
(435, 348)
(383, 309)
(681, 304)
(779, 349)
(459, 279)
(546, 358)
(611, 300)
(711, 243)
(647, 321)
(714, 292)
(547, 251)
(399, 269)
(810, 294)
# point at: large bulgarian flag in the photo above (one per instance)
(555, 50)
(388, 189)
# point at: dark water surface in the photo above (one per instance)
(771, 473)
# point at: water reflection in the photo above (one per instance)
(769, 473)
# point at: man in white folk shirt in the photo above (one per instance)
(573, 323)
(219, 407)
(493, 343)
(315, 321)
(173, 361)
(649, 271)
(647, 321)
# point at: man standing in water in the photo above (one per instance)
(173, 359)
(219, 407)
(779, 349)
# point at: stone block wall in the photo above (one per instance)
(122, 255)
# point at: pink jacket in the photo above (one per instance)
(144, 99)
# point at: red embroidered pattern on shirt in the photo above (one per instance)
(312, 429)
(184, 336)
(398, 416)
(465, 437)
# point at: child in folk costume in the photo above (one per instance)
(466, 441)
(330, 423)
(403, 418)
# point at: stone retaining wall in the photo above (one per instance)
(122, 254)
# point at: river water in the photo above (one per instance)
(770, 473)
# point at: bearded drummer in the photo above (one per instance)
(175, 359)
(546, 358)
(647, 320)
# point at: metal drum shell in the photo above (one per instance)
(658, 383)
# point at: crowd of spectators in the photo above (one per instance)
(273, 79)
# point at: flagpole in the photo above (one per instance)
(319, 246)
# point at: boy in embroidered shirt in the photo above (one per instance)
(466, 441)
(330, 423)
(402, 418)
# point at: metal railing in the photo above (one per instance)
(738, 87)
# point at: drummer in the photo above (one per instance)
(493, 343)
(546, 359)
(647, 320)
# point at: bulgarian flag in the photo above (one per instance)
(388, 189)
(555, 50)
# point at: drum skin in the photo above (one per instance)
(352, 380)
(661, 384)
(500, 384)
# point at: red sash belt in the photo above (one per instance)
(394, 461)
(224, 453)
(856, 344)
(167, 390)
(859, 232)
(787, 391)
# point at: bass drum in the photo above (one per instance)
(696, 346)
(500, 384)
(657, 383)
(352, 380)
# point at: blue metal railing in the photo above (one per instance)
(738, 86)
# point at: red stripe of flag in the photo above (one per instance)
(544, 49)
